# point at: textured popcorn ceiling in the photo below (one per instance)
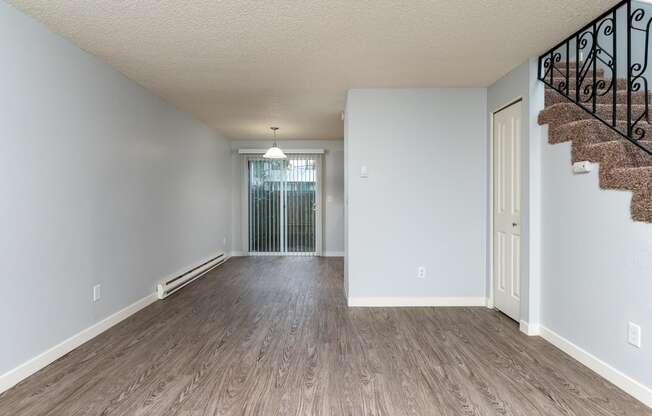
(243, 65)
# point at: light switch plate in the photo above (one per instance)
(582, 167)
(634, 335)
(97, 293)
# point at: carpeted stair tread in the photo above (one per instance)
(621, 83)
(560, 72)
(614, 154)
(572, 66)
(591, 131)
(562, 64)
(632, 179)
(562, 113)
(554, 97)
(636, 180)
(641, 206)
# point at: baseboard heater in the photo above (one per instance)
(165, 289)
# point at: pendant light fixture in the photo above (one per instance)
(274, 152)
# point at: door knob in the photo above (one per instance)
(514, 224)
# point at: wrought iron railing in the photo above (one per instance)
(603, 68)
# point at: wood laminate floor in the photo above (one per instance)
(273, 336)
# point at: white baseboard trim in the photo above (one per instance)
(333, 254)
(238, 254)
(13, 377)
(531, 330)
(634, 388)
(414, 302)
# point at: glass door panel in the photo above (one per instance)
(283, 205)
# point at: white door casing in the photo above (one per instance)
(507, 210)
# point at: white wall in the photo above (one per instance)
(424, 202)
(102, 182)
(597, 266)
(333, 190)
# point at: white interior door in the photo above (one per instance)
(283, 205)
(507, 210)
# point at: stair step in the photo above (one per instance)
(562, 64)
(631, 179)
(591, 131)
(638, 97)
(562, 113)
(639, 181)
(560, 71)
(613, 154)
(641, 206)
(572, 65)
(621, 83)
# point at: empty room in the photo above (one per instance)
(325, 207)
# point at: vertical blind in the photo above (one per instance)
(283, 204)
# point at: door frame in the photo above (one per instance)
(244, 207)
(491, 299)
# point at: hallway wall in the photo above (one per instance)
(102, 183)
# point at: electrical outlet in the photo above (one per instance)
(97, 292)
(634, 335)
(421, 272)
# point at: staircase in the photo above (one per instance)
(611, 126)
(622, 165)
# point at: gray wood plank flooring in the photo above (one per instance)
(273, 336)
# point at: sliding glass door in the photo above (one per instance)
(283, 202)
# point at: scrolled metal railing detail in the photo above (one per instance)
(582, 44)
(638, 72)
(595, 51)
(608, 31)
(549, 64)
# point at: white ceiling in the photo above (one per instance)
(243, 65)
